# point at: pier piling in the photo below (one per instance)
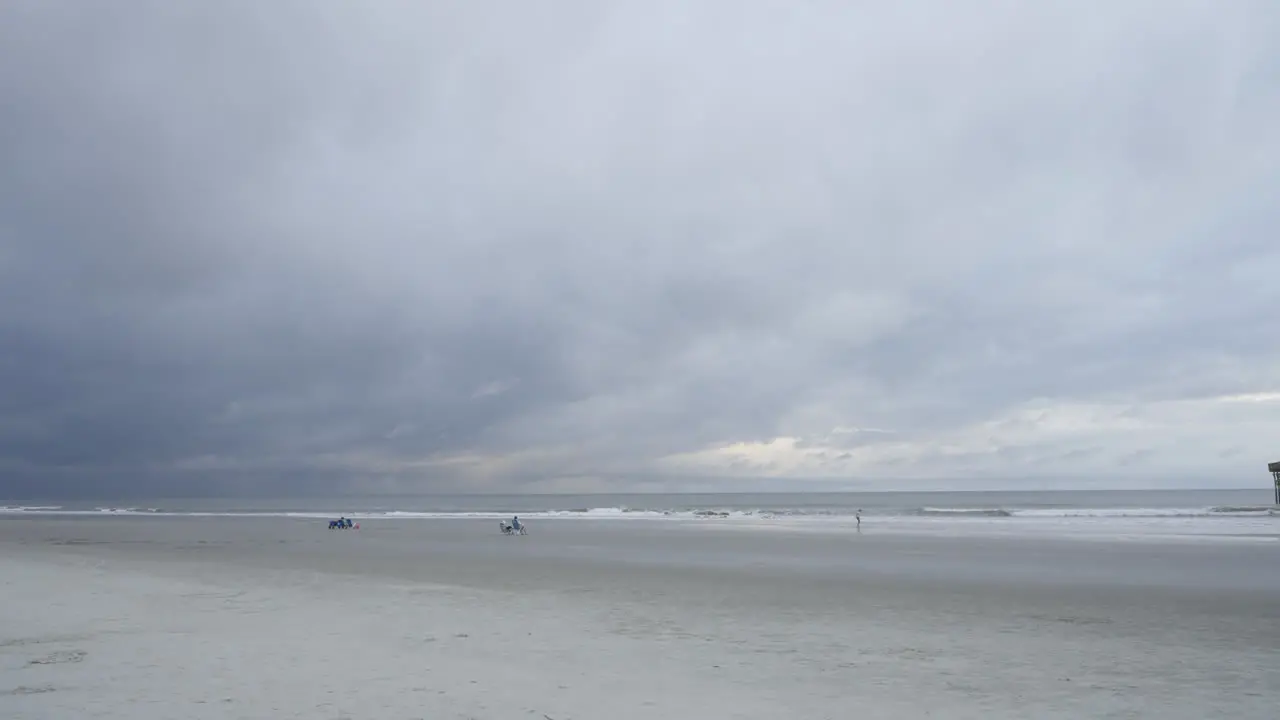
(1275, 475)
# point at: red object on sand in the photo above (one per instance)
(357, 526)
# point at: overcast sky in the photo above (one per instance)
(638, 245)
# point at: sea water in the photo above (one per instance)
(1150, 514)
(1092, 503)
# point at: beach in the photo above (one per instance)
(270, 617)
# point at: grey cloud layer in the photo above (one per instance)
(298, 239)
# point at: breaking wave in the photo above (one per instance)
(1248, 511)
(1049, 513)
(964, 512)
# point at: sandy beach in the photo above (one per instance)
(267, 618)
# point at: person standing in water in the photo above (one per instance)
(858, 516)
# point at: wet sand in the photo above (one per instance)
(228, 618)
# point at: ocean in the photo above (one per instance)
(1201, 515)
(1249, 503)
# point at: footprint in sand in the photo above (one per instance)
(60, 657)
(21, 641)
(24, 690)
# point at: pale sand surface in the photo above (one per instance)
(266, 618)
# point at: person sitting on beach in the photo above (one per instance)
(515, 523)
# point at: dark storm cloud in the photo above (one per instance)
(470, 245)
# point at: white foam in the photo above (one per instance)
(586, 513)
(966, 512)
(1143, 512)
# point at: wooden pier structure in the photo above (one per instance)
(1275, 475)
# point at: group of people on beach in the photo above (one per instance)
(513, 527)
